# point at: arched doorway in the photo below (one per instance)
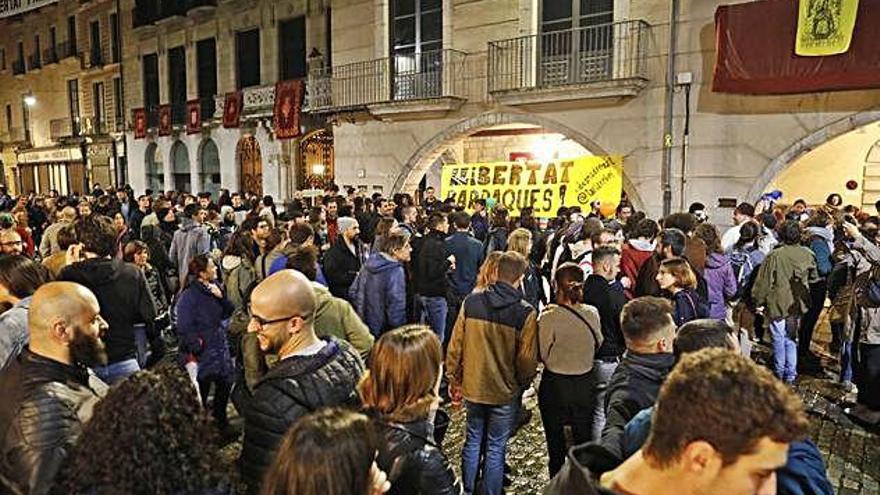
(209, 168)
(155, 168)
(316, 164)
(180, 167)
(250, 165)
(438, 150)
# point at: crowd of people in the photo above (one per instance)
(342, 329)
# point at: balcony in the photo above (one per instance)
(178, 113)
(66, 49)
(18, 67)
(34, 61)
(148, 12)
(257, 101)
(418, 83)
(96, 58)
(61, 129)
(603, 61)
(50, 56)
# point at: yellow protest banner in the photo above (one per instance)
(825, 27)
(543, 186)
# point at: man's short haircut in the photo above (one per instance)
(204, 195)
(461, 220)
(596, 236)
(603, 253)
(191, 210)
(97, 234)
(66, 236)
(304, 259)
(480, 201)
(701, 334)
(511, 266)
(685, 222)
(300, 232)
(675, 239)
(250, 223)
(726, 400)
(646, 228)
(435, 219)
(746, 209)
(790, 232)
(393, 241)
(645, 317)
(408, 210)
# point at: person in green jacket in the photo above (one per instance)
(782, 288)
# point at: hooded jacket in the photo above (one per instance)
(45, 404)
(721, 284)
(379, 294)
(583, 464)
(201, 328)
(493, 352)
(334, 317)
(782, 285)
(633, 255)
(634, 386)
(190, 241)
(430, 265)
(125, 301)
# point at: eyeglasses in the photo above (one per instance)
(263, 322)
(11, 243)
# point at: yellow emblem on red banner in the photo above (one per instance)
(543, 186)
(825, 27)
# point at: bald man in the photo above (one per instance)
(10, 242)
(48, 392)
(311, 372)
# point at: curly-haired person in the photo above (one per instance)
(148, 436)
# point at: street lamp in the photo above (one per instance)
(30, 100)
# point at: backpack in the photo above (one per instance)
(240, 318)
(743, 266)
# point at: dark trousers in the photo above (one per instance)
(809, 320)
(222, 387)
(566, 401)
(453, 303)
(868, 377)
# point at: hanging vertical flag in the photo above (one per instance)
(193, 117)
(140, 123)
(164, 120)
(232, 109)
(288, 96)
(825, 27)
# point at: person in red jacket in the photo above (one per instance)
(636, 251)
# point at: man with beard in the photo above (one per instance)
(48, 391)
(312, 373)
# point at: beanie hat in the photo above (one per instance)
(345, 223)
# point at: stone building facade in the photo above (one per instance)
(61, 117)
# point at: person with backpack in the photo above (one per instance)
(496, 239)
(720, 279)
(745, 258)
(782, 288)
(676, 278)
(239, 278)
(820, 239)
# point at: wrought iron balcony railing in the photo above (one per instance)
(64, 128)
(605, 52)
(402, 77)
(18, 67)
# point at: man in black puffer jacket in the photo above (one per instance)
(48, 392)
(430, 266)
(311, 373)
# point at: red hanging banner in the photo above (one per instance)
(164, 120)
(288, 97)
(139, 117)
(232, 109)
(193, 117)
(755, 52)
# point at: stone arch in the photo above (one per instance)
(180, 167)
(154, 170)
(807, 144)
(429, 152)
(209, 167)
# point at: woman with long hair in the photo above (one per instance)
(137, 253)
(239, 279)
(401, 391)
(488, 271)
(520, 241)
(569, 333)
(329, 452)
(384, 226)
(676, 278)
(201, 311)
(148, 436)
(20, 277)
(720, 279)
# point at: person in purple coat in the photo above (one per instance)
(720, 279)
(202, 315)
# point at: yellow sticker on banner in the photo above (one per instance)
(825, 27)
(543, 186)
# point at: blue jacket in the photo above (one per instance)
(379, 294)
(804, 472)
(468, 253)
(202, 320)
(819, 245)
(14, 335)
(280, 263)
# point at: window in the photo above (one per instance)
(151, 88)
(73, 103)
(37, 61)
(292, 48)
(53, 42)
(8, 117)
(416, 44)
(26, 119)
(97, 57)
(21, 51)
(206, 65)
(177, 84)
(560, 15)
(98, 106)
(575, 41)
(118, 103)
(2, 58)
(114, 38)
(247, 58)
(71, 35)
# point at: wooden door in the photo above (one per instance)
(250, 165)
